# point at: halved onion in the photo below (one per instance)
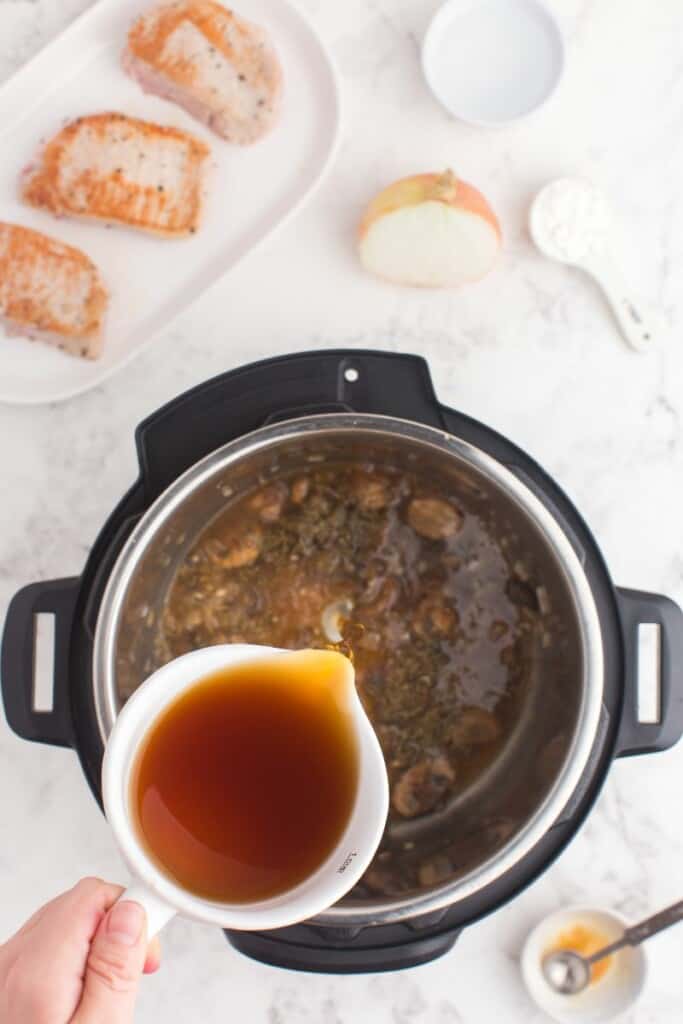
(430, 230)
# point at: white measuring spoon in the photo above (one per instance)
(571, 221)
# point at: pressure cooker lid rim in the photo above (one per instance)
(328, 425)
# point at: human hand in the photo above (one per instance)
(78, 960)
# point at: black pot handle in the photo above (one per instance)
(351, 380)
(17, 667)
(638, 608)
(340, 959)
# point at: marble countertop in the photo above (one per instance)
(531, 350)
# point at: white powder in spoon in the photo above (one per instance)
(571, 221)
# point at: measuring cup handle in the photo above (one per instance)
(157, 910)
(657, 923)
(638, 325)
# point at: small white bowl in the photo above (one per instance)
(493, 62)
(609, 997)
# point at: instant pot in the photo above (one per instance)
(199, 451)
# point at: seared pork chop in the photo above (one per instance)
(50, 291)
(219, 67)
(119, 169)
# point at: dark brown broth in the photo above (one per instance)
(441, 624)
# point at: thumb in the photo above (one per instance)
(114, 967)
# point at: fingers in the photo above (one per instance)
(94, 887)
(77, 959)
(153, 960)
(114, 967)
(89, 892)
(92, 898)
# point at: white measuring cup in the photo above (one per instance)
(159, 895)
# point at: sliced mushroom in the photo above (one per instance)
(380, 596)
(422, 787)
(269, 502)
(435, 618)
(433, 518)
(435, 870)
(473, 727)
(237, 552)
(300, 488)
(371, 491)
(386, 879)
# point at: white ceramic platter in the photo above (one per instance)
(252, 190)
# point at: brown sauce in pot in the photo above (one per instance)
(442, 624)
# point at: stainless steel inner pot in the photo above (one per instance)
(125, 649)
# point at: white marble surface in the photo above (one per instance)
(531, 350)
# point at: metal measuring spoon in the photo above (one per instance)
(571, 221)
(569, 973)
